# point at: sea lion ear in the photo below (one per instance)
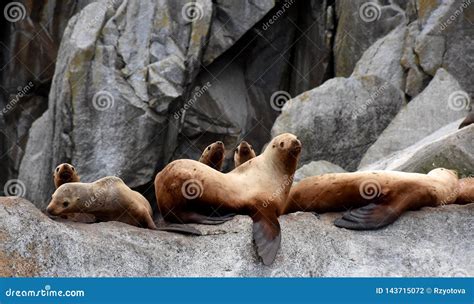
(267, 236)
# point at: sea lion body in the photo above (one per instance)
(381, 196)
(65, 173)
(243, 153)
(189, 191)
(108, 199)
(466, 191)
(213, 155)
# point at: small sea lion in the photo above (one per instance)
(65, 173)
(213, 155)
(189, 192)
(380, 196)
(243, 153)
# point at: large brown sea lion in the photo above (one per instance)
(380, 196)
(190, 192)
(65, 173)
(108, 199)
(213, 155)
(243, 153)
(466, 191)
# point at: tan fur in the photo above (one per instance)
(108, 199)
(258, 188)
(243, 153)
(395, 192)
(213, 155)
(65, 173)
(466, 191)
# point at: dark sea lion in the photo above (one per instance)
(213, 155)
(243, 153)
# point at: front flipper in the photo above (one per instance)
(193, 217)
(267, 236)
(180, 228)
(372, 216)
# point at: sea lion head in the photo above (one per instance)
(65, 173)
(243, 153)
(66, 199)
(213, 155)
(284, 150)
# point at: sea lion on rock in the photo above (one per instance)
(380, 196)
(213, 155)
(190, 192)
(243, 153)
(466, 191)
(467, 121)
(65, 173)
(108, 199)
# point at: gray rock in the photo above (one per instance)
(360, 24)
(416, 245)
(125, 66)
(447, 148)
(339, 120)
(434, 108)
(316, 168)
(383, 58)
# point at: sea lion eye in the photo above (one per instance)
(65, 204)
(73, 169)
(57, 169)
(209, 148)
(282, 144)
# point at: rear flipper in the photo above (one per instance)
(192, 217)
(180, 228)
(267, 236)
(372, 216)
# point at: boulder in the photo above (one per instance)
(416, 245)
(441, 103)
(448, 148)
(339, 120)
(316, 168)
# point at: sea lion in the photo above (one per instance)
(380, 196)
(108, 199)
(65, 173)
(190, 192)
(213, 155)
(243, 153)
(466, 191)
(467, 121)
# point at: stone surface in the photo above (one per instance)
(125, 66)
(430, 242)
(448, 147)
(339, 120)
(434, 108)
(316, 168)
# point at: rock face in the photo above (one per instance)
(448, 148)
(415, 245)
(316, 168)
(126, 66)
(350, 112)
(441, 103)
